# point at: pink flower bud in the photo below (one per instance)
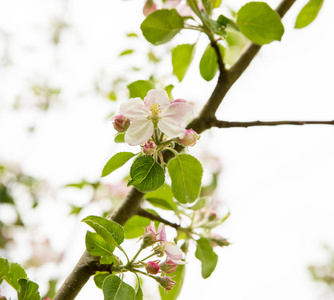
(152, 268)
(189, 139)
(166, 282)
(149, 7)
(168, 266)
(120, 123)
(149, 147)
(179, 100)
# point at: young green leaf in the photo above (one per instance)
(115, 289)
(119, 138)
(208, 65)
(4, 267)
(134, 227)
(126, 52)
(97, 246)
(162, 198)
(200, 203)
(186, 175)
(118, 160)
(99, 277)
(147, 175)
(258, 22)
(140, 88)
(28, 290)
(110, 231)
(161, 26)
(308, 13)
(182, 56)
(139, 294)
(178, 277)
(207, 256)
(15, 273)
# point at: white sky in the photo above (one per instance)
(276, 182)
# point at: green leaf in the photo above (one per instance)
(108, 260)
(226, 22)
(119, 138)
(126, 52)
(161, 26)
(147, 175)
(4, 267)
(308, 13)
(207, 256)
(140, 88)
(258, 22)
(134, 227)
(169, 89)
(110, 231)
(97, 246)
(28, 290)
(162, 198)
(182, 55)
(139, 294)
(186, 175)
(118, 160)
(5, 196)
(208, 65)
(15, 273)
(178, 277)
(115, 289)
(99, 278)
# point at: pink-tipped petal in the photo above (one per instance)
(173, 252)
(162, 233)
(133, 109)
(139, 132)
(179, 111)
(157, 96)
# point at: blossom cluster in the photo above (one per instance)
(154, 121)
(157, 237)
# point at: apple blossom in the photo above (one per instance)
(152, 267)
(149, 7)
(155, 112)
(166, 282)
(120, 123)
(149, 147)
(168, 266)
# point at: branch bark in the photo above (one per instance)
(88, 264)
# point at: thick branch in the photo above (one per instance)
(227, 79)
(227, 124)
(146, 214)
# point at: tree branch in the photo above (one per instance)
(146, 214)
(87, 265)
(227, 124)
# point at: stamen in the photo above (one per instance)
(155, 109)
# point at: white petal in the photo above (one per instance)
(173, 252)
(157, 96)
(171, 128)
(139, 132)
(179, 111)
(133, 109)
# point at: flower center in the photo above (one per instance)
(155, 109)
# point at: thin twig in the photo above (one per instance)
(146, 214)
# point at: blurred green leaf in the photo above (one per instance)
(161, 26)
(139, 294)
(119, 138)
(15, 273)
(126, 52)
(162, 198)
(208, 65)
(200, 203)
(308, 13)
(140, 88)
(118, 160)
(5, 196)
(182, 56)
(186, 175)
(207, 256)
(134, 227)
(261, 24)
